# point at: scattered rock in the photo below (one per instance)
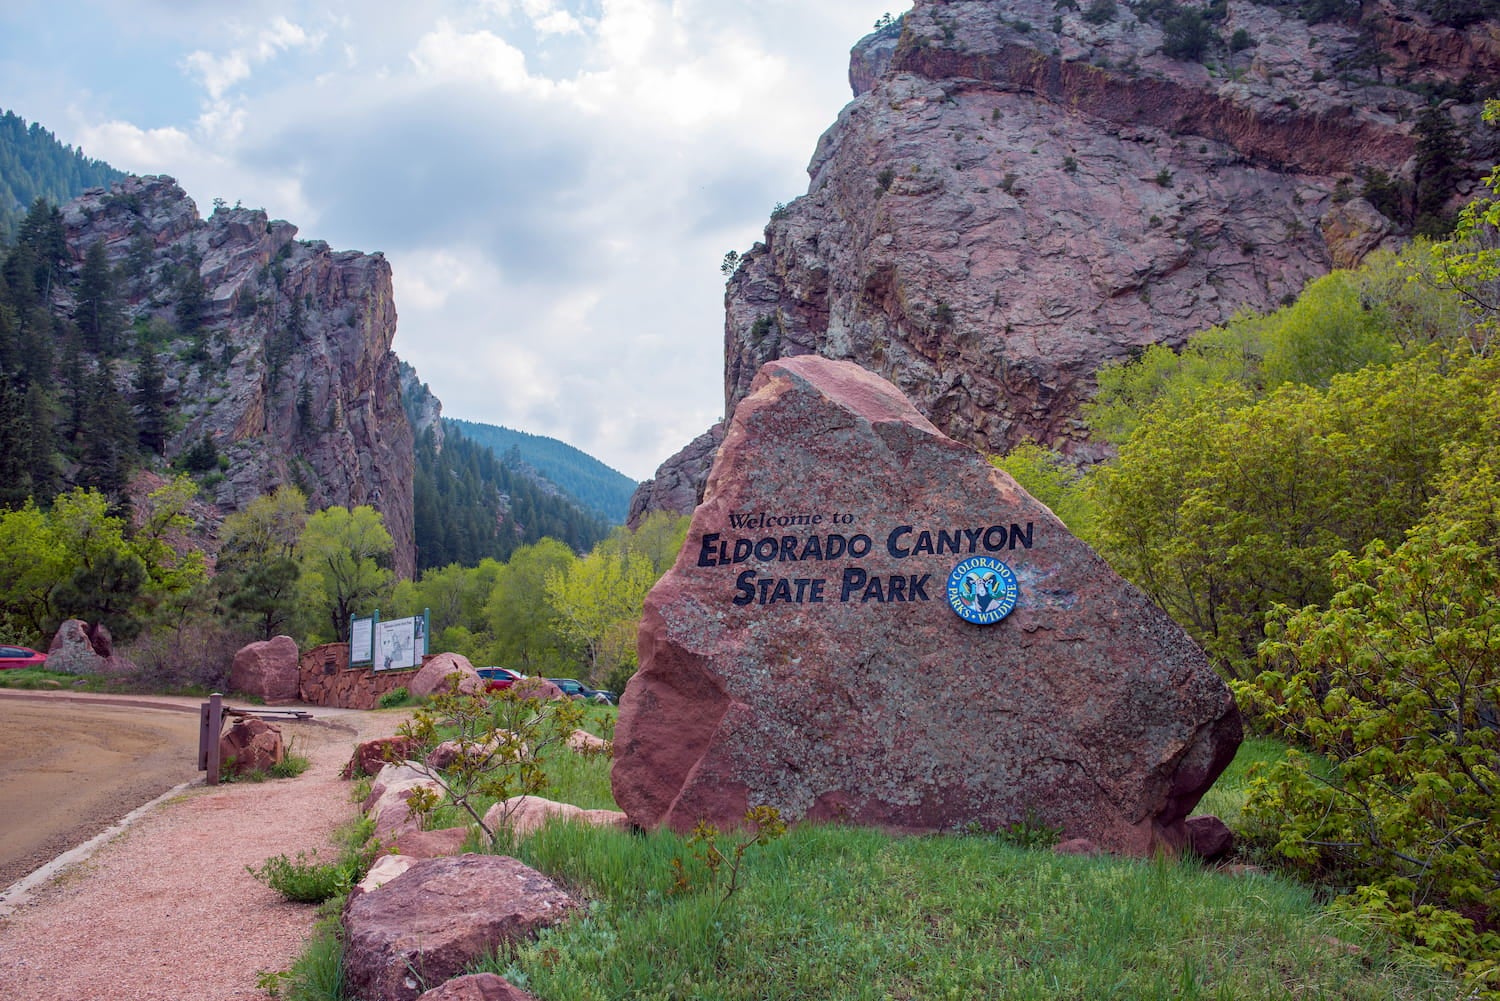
(433, 677)
(383, 870)
(251, 745)
(269, 669)
(1209, 838)
(1077, 846)
(373, 755)
(524, 814)
(586, 743)
(429, 923)
(804, 652)
(431, 844)
(477, 987)
(387, 803)
(537, 688)
(72, 650)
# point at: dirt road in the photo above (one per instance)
(69, 770)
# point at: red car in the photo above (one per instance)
(496, 678)
(20, 656)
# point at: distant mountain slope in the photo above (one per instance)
(33, 164)
(578, 474)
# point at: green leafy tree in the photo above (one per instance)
(598, 601)
(34, 561)
(1469, 264)
(1052, 479)
(344, 557)
(521, 621)
(1396, 680)
(1220, 506)
(259, 560)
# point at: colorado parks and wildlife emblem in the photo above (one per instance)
(982, 590)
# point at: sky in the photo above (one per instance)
(554, 182)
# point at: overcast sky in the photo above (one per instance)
(554, 182)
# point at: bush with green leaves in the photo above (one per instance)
(305, 879)
(502, 740)
(1397, 681)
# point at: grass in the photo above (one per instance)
(41, 678)
(840, 912)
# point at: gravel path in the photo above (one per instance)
(166, 911)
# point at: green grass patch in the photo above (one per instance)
(1226, 798)
(845, 912)
(43, 679)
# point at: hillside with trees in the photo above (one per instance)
(33, 164)
(596, 486)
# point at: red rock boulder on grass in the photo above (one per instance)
(429, 923)
(251, 745)
(870, 623)
(434, 675)
(477, 987)
(269, 669)
(373, 755)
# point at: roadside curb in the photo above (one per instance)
(18, 893)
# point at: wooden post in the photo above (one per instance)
(210, 726)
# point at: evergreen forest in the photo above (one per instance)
(596, 486)
(33, 164)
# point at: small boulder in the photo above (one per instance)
(537, 688)
(373, 755)
(72, 650)
(383, 870)
(433, 677)
(270, 669)
(432, 844)
(1209, 838)
(587, 744)
(429, 923)
(387, 804)
(251, 745)
(477, 987)
(524, 814)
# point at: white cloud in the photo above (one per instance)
(553, 181)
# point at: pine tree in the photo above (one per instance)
(97, 314)
(151, 414)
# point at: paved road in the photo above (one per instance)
(69, 770)
(72, 765)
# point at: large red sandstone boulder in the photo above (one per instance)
(268, 669)
(430, 922)
(433, 677)
(807, 650)
(251, 745)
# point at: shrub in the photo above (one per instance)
(1101, 12)
(1397, 681)
(395, 697)
(305, 880)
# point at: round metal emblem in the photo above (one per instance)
(982, 590)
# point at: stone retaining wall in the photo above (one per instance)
(328, 680)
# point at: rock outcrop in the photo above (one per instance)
(870, 623)
(1020, 193)
(285, 362)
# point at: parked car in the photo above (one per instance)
(498, 678)
(20, 656)
(578, 690)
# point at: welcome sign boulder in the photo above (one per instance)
(870, 624)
